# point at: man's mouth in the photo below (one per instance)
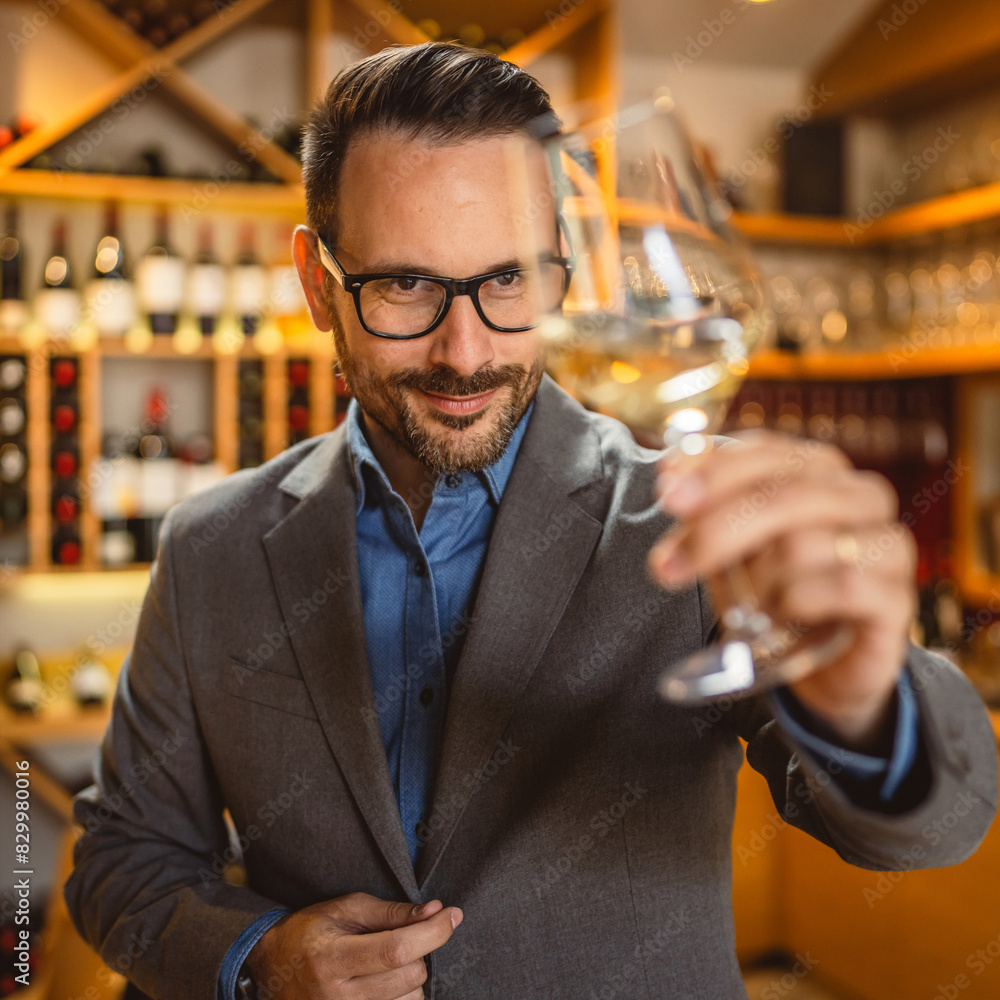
(457, 404)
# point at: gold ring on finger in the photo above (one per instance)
(846, 548)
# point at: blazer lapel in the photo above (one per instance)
(312, 552)
(544, 533)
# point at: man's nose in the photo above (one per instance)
(463, 342)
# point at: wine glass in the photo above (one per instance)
(656, 329)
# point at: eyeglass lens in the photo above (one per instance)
(398, 305)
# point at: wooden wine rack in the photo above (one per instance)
(586, 30)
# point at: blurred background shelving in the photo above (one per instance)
(862, 159)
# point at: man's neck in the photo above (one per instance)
(408, 476)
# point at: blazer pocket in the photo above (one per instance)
(266, 687)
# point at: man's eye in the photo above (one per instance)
(508, 279)
(404, 284)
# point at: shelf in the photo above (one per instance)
(60, 721)
(901, 362)
(195, 195)
(778, 228)
(904, 56)
(959, 209)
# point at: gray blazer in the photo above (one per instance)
(583, 825)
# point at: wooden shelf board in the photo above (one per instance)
(57, 722)
(197, 195)
(959, 209)
(792, 228)
(901, 59)
(979, 588)
(898, 363)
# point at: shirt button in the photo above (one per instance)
(453, 480)
(420, 568)
(427, 695)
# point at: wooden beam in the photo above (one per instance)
(557, 30)
(285, 199)
(393, 24)
(146, 65)
(897, 60)
(89, 107)
(47, 789)
(318, 35)
(251, 143)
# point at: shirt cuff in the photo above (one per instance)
(241, 947)
(863, 771)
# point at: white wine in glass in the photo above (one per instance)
(662, 314)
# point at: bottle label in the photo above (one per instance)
(13, 315)
(111, 303)
(286, 291)
(206, 289)
(159, 283)
(157, 486)
(248, 289)
(58, 310)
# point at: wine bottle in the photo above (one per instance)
(205, 295)
(160, 280)
(116, 500)
(66, 544)
(157, 474)
(65, 419)
(109, 297)
(57, 304)
(13, 310)
(251, 413)
(13, 461)
(91, 681)
(247, 283)
(25, 690)
(65, 396)
(298, 399)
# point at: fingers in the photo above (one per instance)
(398, 984)
(839, 593)
(388, 950)
(883, 553)
(362, 912)
(724, 525)
(759, 459)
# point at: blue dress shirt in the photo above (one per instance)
(417, 594)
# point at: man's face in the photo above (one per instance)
(452, 397)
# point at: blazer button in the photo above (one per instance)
(427, 695)
(420, 568)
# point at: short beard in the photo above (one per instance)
(382, 399)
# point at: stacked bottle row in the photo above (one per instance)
(161, 21)
(166, 295)
(64, 393)
(13, 458)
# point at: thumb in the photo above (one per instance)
(363, 912)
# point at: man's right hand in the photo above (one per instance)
(354, 946)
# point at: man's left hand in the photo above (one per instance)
(821, 544)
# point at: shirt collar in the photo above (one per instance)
(362, 456)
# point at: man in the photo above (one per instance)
(416, 657)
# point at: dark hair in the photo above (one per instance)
(439, 92)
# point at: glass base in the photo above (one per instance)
(740, 667)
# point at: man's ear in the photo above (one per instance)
(312, 274)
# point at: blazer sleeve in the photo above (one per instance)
(145, 891)
(957, 766)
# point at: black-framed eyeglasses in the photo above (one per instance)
(403, 306)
